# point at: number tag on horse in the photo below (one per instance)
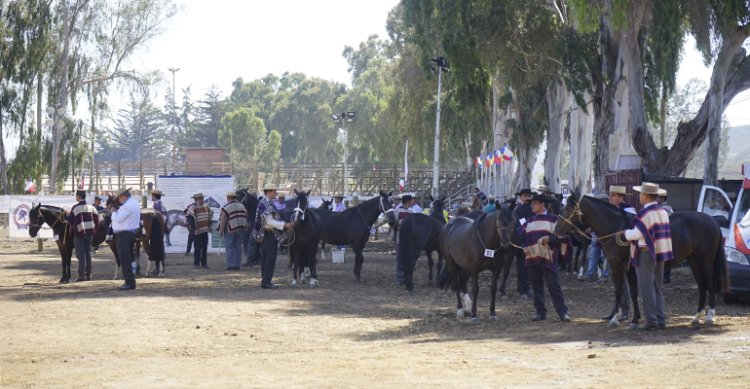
(489, 253)
(522, 221)
(55, 237)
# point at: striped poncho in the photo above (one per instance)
(653, 224)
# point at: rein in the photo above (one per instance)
(618, 235)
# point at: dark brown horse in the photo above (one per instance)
(56, 219)
(471, 247)
(695, 237)
(151, 236)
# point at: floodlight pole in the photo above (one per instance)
(174, 120)
(442, 65)
(345, 117)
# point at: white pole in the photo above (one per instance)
(436, 149)
(346, 158)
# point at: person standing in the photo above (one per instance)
(541, 250)
(84, 222)
(523, 213)
(233, 225)
(199, 219)
(338, 203)
(651, 247)
(99, 209)
(191, 233)
(264, 226)
(662, 200)
(126, 220)
(253, 248)
(158, 206)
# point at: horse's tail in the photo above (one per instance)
(444, 277)
(721, 274)
(156, 241)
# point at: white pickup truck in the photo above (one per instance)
(734, 219)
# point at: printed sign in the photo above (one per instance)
(18, 213)
(178, 192)
(489, 253)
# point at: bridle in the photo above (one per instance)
(41, 220)
(299, 210)
(619, 239)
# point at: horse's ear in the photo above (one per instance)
(390, 193)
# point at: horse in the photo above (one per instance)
(695, 237)
(250, 201)
(175, 217)
(352, 227)
(151, 235)
(472, 246)
(304, 241)
(56, 219)
(422, 232)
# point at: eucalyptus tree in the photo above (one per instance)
(96, 38)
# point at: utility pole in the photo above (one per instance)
(174, 120)
(442, 64)
(345, 117)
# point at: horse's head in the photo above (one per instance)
(327, 205)
(386, 207)
(36, 219)
(571, 217)
(212, 203)
(112, 201)
(506, 222)
(241, 194)
(438, 204)
(301, 207)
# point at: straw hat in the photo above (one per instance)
(232, 195)
(619, 189)
(197, 196)
(157, 192)
(662, 192)
(123, 191)
(647, 188)
(338, 195)
(270, 187)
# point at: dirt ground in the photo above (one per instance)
(212, 328)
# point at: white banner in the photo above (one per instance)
(4, 204)
(178, 191)
(19, 208)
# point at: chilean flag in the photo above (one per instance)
(478, 162)
(30, 187)
(498, 157)
(507, 154)
(489, 160)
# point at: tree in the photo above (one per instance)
(97, 37)
(139, 132)
(242, 133)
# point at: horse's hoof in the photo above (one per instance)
(474, 320)
(613, 324)
(460, 313)
(493, 317)
(63, 281)
(313, 283)
(709, 323)
(633, 326)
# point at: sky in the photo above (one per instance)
(215, 42)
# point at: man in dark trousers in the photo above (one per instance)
(126, 220)
(541, 249)
(99, 208)
(264, 232)
(523, 213)
(84, 221)
(199, 221)
(191, 235)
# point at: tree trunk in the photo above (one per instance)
(558, 100)
(581, 136)
(58, 128)
(3, 165)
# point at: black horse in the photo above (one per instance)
(56, 219)
(472, 246)
(250, 201)
(352, 227)
(304, 240)
(695, 237)
(419, 232)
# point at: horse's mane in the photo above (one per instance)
(605, 203)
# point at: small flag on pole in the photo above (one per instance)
(498, 157)
(507, 154)
(30, 187)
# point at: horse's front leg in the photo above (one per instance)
(65, 263)
(633, 286)
(507, 262)
(618, 277)
(493, 292)
(430, 263)
(474, 295)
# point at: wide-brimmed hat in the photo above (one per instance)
(541, 197)
(619, 189)
(197, 196)
(123, 191)
(662, 192)
(232, 194)
(338, 195)
(157, 192)
(524, 191)
(407, 196)
(543, 189)
(99, 197)
(270, 187)
(647, 188)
